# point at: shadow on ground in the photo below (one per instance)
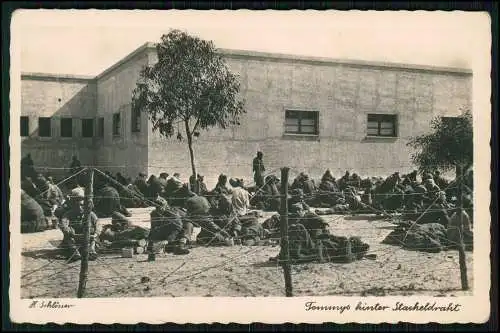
(57, 254)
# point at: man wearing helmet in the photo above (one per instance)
(73, 225)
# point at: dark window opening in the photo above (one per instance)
(66, 127)
(382, 125)
(44, 127)
(136, 121)
(302, 122)
(25, 126)
(116, 124)
(87, 128)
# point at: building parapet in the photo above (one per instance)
(233, 53)
(331, 61)
(55, 77)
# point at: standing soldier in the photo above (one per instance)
(258, 170)
(73, 224)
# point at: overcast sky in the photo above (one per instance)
(88, 42)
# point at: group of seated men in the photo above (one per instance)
(351, 194)
(223, 214)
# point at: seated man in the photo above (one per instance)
(202, 186)
(29, 187)
(252, 232)
(174, 184)
(169, 229)
(32, 216)
(141, 184)
(43, 186)
(73, 225)
(220, 190)
(108, 200)
(198, 213)
(54, 195)
(433, 190)
(270, 194)
(240, 199)
(344, 180)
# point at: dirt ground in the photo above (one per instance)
(244, 270)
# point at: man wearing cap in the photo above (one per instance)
(73, 225)
(258, 169)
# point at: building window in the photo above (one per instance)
(382, 125)
(100, 127)
(87, 128)
(25, 126)
(66, 127)
(301, 122)
(116, 124)
(44, 127)
(136, 121)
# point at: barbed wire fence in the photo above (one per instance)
(246, 269)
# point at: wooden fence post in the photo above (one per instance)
(84, 268)
(284, 256)
(461, 245)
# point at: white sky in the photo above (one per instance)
(86, 42)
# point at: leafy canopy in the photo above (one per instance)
(450, 143)
(190, 84)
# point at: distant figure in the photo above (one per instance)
(161, 183)
(344, 181)
(174, 184)
(193, 182)
(75, 165)
(122, 180)
(202, 186)
(141, 184)
(27, 167)
(258, 170)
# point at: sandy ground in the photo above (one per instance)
(244, 270)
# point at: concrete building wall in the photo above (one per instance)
(57, 97)
(343, 94)
(127, 152)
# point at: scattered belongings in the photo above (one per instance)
(127, 252)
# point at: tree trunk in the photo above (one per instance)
(191, 155)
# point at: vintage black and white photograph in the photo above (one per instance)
(339, 161)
